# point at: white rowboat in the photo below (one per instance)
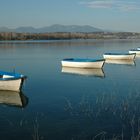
(123, 56)
(11, 81)
(137, 51)
(82, 63)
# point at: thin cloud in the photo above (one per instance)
(98, 4)
(113, 4)
(128, 6)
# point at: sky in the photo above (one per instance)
(116, 15)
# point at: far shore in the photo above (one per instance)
(12, 36)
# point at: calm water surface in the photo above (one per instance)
(70, 104)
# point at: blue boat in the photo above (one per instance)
(11, 81)
(123, 56)
(83, 62)
(136, 51)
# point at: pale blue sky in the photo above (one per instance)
(121, 15)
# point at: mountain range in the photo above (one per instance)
(53, 28)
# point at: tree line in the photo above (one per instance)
(67, 35)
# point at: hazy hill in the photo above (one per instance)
(53, 28)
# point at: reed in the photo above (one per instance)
(36, 135)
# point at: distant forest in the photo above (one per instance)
(67, 35)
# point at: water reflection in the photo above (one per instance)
(123, 62)
(13, 98)
(109, 111)
(138, 55)
(85, 106)
(82, 71)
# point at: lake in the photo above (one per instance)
(70, 104)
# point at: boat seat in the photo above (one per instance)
(7, 76)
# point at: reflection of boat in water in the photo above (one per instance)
(82, 71)
(13, 98)
(123, 62)
(137, 55)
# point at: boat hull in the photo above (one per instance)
(119, 57)
(134, 51)
(97, 64)
(11, 84)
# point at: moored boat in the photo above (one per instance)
(11, 81)
(124, 56)
(83, 63)
(137, 51)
